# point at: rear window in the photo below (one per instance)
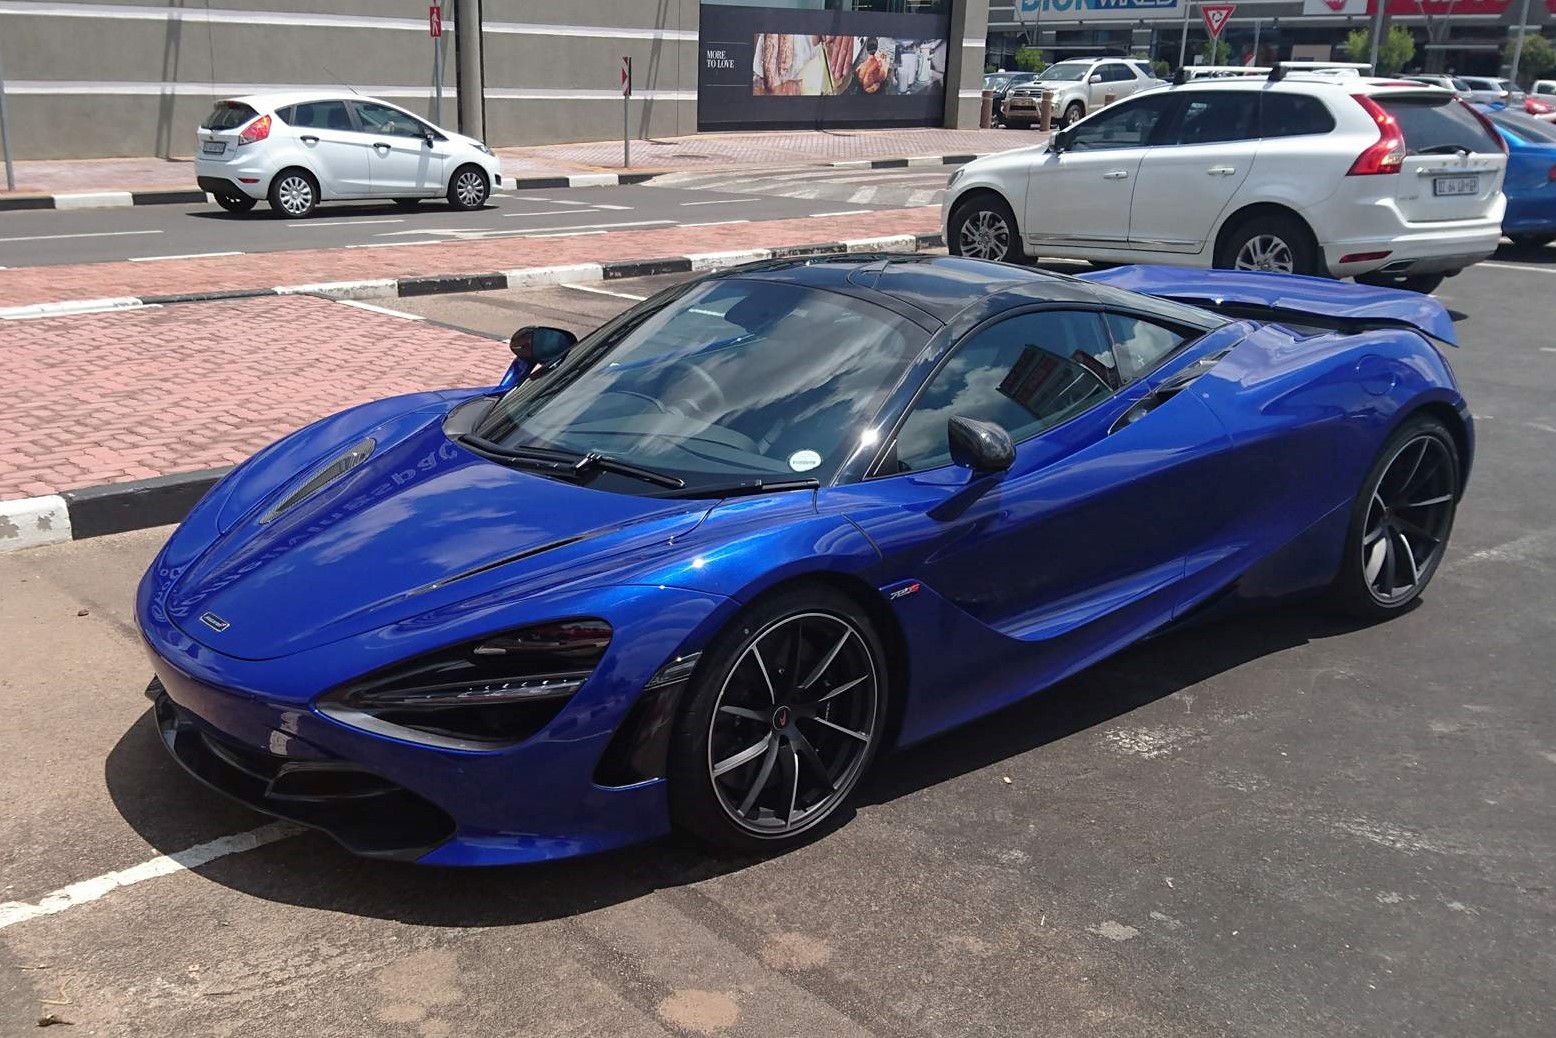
(228, 115)
(1292, 115)
(1437, 125)
(1525, 127)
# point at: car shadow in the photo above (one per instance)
(1534, 255)
(339, 211)
(172, 812)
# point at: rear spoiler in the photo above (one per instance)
(1340, 305)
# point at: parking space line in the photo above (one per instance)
(370, 308)
(544, 198)
(844, 212)
(592, 226)
(344, 223)
(1516, 266)
(184, 256)
(89, 890)
(85, 234)
(715, 223)
(721, 201)
(605, 292)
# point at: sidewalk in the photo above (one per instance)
(707, 151)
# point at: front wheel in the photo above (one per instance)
(1074, 113)
(1274, 244)
(467, 188)
(236, 203)
(983, 227)
(1401, 521)
(782, 719)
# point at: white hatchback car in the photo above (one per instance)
(300, 149)
(1395, 183)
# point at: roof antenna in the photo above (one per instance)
(1181, 76)
(1277, 73)
(342, 82)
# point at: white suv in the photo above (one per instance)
(1394, 183)
(1076, 87)
(300, 149)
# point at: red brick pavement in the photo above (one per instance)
(24, 286)
(108, 397)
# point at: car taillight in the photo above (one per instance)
(255, 132)
(1388, 152)
(1550, 174)
(1535, 107)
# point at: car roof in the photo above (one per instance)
(282, 98)
(1320, 83)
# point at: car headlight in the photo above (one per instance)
(957, 175)
(481, 146)
(484, 694)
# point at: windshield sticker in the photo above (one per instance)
(804, 461)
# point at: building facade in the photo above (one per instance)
(1466, 36)
(97, 78)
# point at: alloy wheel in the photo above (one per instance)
(793, 724)
(1408, 519)
(1265, 252)
(984, 235)
(296, 195)
(470, 188)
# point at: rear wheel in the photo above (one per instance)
(782, 719)
(467, 188)
(1401, 521)
(236, 203)
(294, 193)
(983, 227)
(1272, 243)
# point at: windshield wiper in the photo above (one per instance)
(1446, 149)
(567, 463)
(742, 488)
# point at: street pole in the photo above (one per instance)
(1377, 33)
(467, 55)
(1518, 48)
(1256, 41)
(5, 135)
(1183, 41)
(626, 112)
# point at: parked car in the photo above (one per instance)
(1000, 84)
(1540, 109)
(1530, 184)
(1485, 90)
(1350, 176)
(300, 149)
(1452, 84)
(1543, 88)
(701, 569)
(1076, 87)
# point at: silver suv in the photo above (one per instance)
(1078, 87)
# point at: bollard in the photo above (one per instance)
(1108, 98)
(986, 110)
(1046, 112)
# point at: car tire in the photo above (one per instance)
(983, 227)
(294, 193)
(1533, 241)
(780, 722)
(1074, 112)
(1425, 284)
(1269, 242)
(468, 188)
(1406, 504)
(236, 203)
(407, 203)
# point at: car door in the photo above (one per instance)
(1191, 174)
(1081, 194)
(405, 159)
(337, 153)
(1081, 545)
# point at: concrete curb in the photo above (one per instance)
(119, 199)
(487, 281)
(120, 507)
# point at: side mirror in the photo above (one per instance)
(431, 138)
(1095, 79)
(981, 446)
(538, 345)
(1059, 143)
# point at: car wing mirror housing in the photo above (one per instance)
(1059, 143)
(983, 447)
(536, 348)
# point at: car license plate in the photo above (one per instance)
(213, 147)
(1456, 186)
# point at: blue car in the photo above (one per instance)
(699, 569)
(1530, 184)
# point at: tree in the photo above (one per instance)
(1161, 68)
(1216, 52)
(1030, 59)
(1537, 60)
(1394, 53)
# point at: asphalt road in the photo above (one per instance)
(149, 233)
(1281, 826)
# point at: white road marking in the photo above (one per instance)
(1543, 349)
(360, 305)
(619, 208)
(606, 292)
(1516, 266)
(721, 201)
(594, 226)
(544, 198)
(87, 234)
(187, 255)
(844, 212)
(344, 223)
(715, 223)
(565, 234)
(89, 890)
(558, 212)
(398, 244)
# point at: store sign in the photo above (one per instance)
(1456, 8)
(774, 67)
(1332, 8)
(1033, 11)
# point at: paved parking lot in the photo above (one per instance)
(1281, 826)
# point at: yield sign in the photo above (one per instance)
(1216, 16)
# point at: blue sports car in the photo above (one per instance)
(698, 569)
(1530, 184)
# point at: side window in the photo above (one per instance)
(1139, 344)
(1027, 373)
(388, 121)
(321, 115)
(1128, 124)
(1144, 69)
(1292, 115)
(1217, 116)
(1116, 72)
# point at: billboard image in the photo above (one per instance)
(804, 65)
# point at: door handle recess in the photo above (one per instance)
(310, 138)
(1116, 174)
(1221, 171)
(381, 144)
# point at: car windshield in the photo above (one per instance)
(1524, 126)
(1064, 72)
(228, 115)
(737, 379)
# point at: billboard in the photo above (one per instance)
(1032, 12)
(777, 67)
